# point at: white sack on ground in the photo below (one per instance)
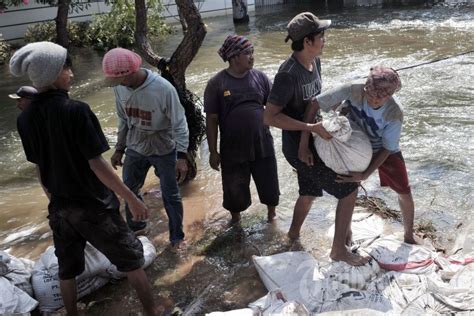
(356, 300)
(366, 228)
(13, 300)
(393, 254)
(17, 271)
(348, 150)
(464, 278)
(297, 275)
(276, 303)
(401, 288)
(354, 277)
(237, 312)
(98, 272)
(450, 265)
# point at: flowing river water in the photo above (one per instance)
(436, 140)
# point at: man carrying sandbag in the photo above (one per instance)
(297, 82)
(372, 107)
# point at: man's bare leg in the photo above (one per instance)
(302, 207)
(139, 281)
(69, 294)
(339, 252)
(235, 220)
(271, 213)
(407, 206)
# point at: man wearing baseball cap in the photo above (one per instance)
(63, 138)
(24, 96)
(290, 108)
(152, 131)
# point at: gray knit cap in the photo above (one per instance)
(41, 61)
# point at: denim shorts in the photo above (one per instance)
(106, 230)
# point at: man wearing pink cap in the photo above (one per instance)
(371, 105)
(152, 131)
(64, 139)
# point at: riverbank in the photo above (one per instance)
(216, 272)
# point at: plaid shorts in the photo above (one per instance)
(104, 229)
(393, 174)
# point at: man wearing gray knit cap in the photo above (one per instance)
(64, 139)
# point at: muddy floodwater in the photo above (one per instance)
(436, 143)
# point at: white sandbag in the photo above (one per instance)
(393, 254)
(354, 277)
(450, 265)
(401, 288)
(149, 254)
(95, 262)
(454, 297)
(17, 271)
(237, 312)
(464, 278)
(298, 276)
(354, 312)
(426, 304)
(357, 300)
(45, 279)
(48, 293)
(13, 300)
(348, 150)
(276, 303)
(366, 228)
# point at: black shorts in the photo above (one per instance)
(312, 180)
(104, 229)
(236, 183)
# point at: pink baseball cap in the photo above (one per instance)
(120, 62)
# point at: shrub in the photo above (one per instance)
(46, 31)
(117, 27)
(4, 51)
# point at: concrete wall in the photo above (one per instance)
(15, 20)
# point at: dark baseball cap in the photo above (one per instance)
(303, 24)
(24, 92)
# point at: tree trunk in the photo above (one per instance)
(174, 69)
(62, 37)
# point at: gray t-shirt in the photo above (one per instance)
(239, 104)
(293, 88)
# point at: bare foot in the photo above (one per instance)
(271, 216)
(179, 246)
(293, 235)
(349, 258)
(235, 221)
(414, 239)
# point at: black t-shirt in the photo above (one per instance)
(293, 88)
(60, 136)
(239, 104)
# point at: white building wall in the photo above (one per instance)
(15, 20)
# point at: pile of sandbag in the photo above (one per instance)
(98, 272)
(400, 279)
(25, 284)
(15, 287)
